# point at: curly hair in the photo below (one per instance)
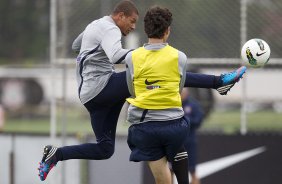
(156, 21)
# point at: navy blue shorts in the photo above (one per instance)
(151, 141)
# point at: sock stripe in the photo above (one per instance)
(181, 156)
(51, 153)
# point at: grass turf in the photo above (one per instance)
(227, 122)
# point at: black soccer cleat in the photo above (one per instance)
(48, 161)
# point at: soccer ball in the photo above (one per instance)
(255, 53)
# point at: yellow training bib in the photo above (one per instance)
(156, 78)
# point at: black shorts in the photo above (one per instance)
(150, 141)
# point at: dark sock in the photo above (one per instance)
(198, 80)
(59, 155)
(180, 167)
(217, 82)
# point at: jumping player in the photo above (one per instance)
(103, 91)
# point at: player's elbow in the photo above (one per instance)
(119, 56)
(75, 48)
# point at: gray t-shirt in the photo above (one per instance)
(99, 48)
(139, 115)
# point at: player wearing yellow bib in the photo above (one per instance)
(155, 76)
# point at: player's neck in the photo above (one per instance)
(156, 40)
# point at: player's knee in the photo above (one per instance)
(108, 149)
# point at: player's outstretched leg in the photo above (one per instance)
(48, 161)
(230, 79)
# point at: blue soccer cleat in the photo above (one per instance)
(48, 161)
(230, 79)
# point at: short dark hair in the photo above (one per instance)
(125, 6)
(156, 21)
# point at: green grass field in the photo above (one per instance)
(227, 122)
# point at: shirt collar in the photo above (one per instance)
(154, 46)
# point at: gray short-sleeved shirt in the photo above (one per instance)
(99, 48)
